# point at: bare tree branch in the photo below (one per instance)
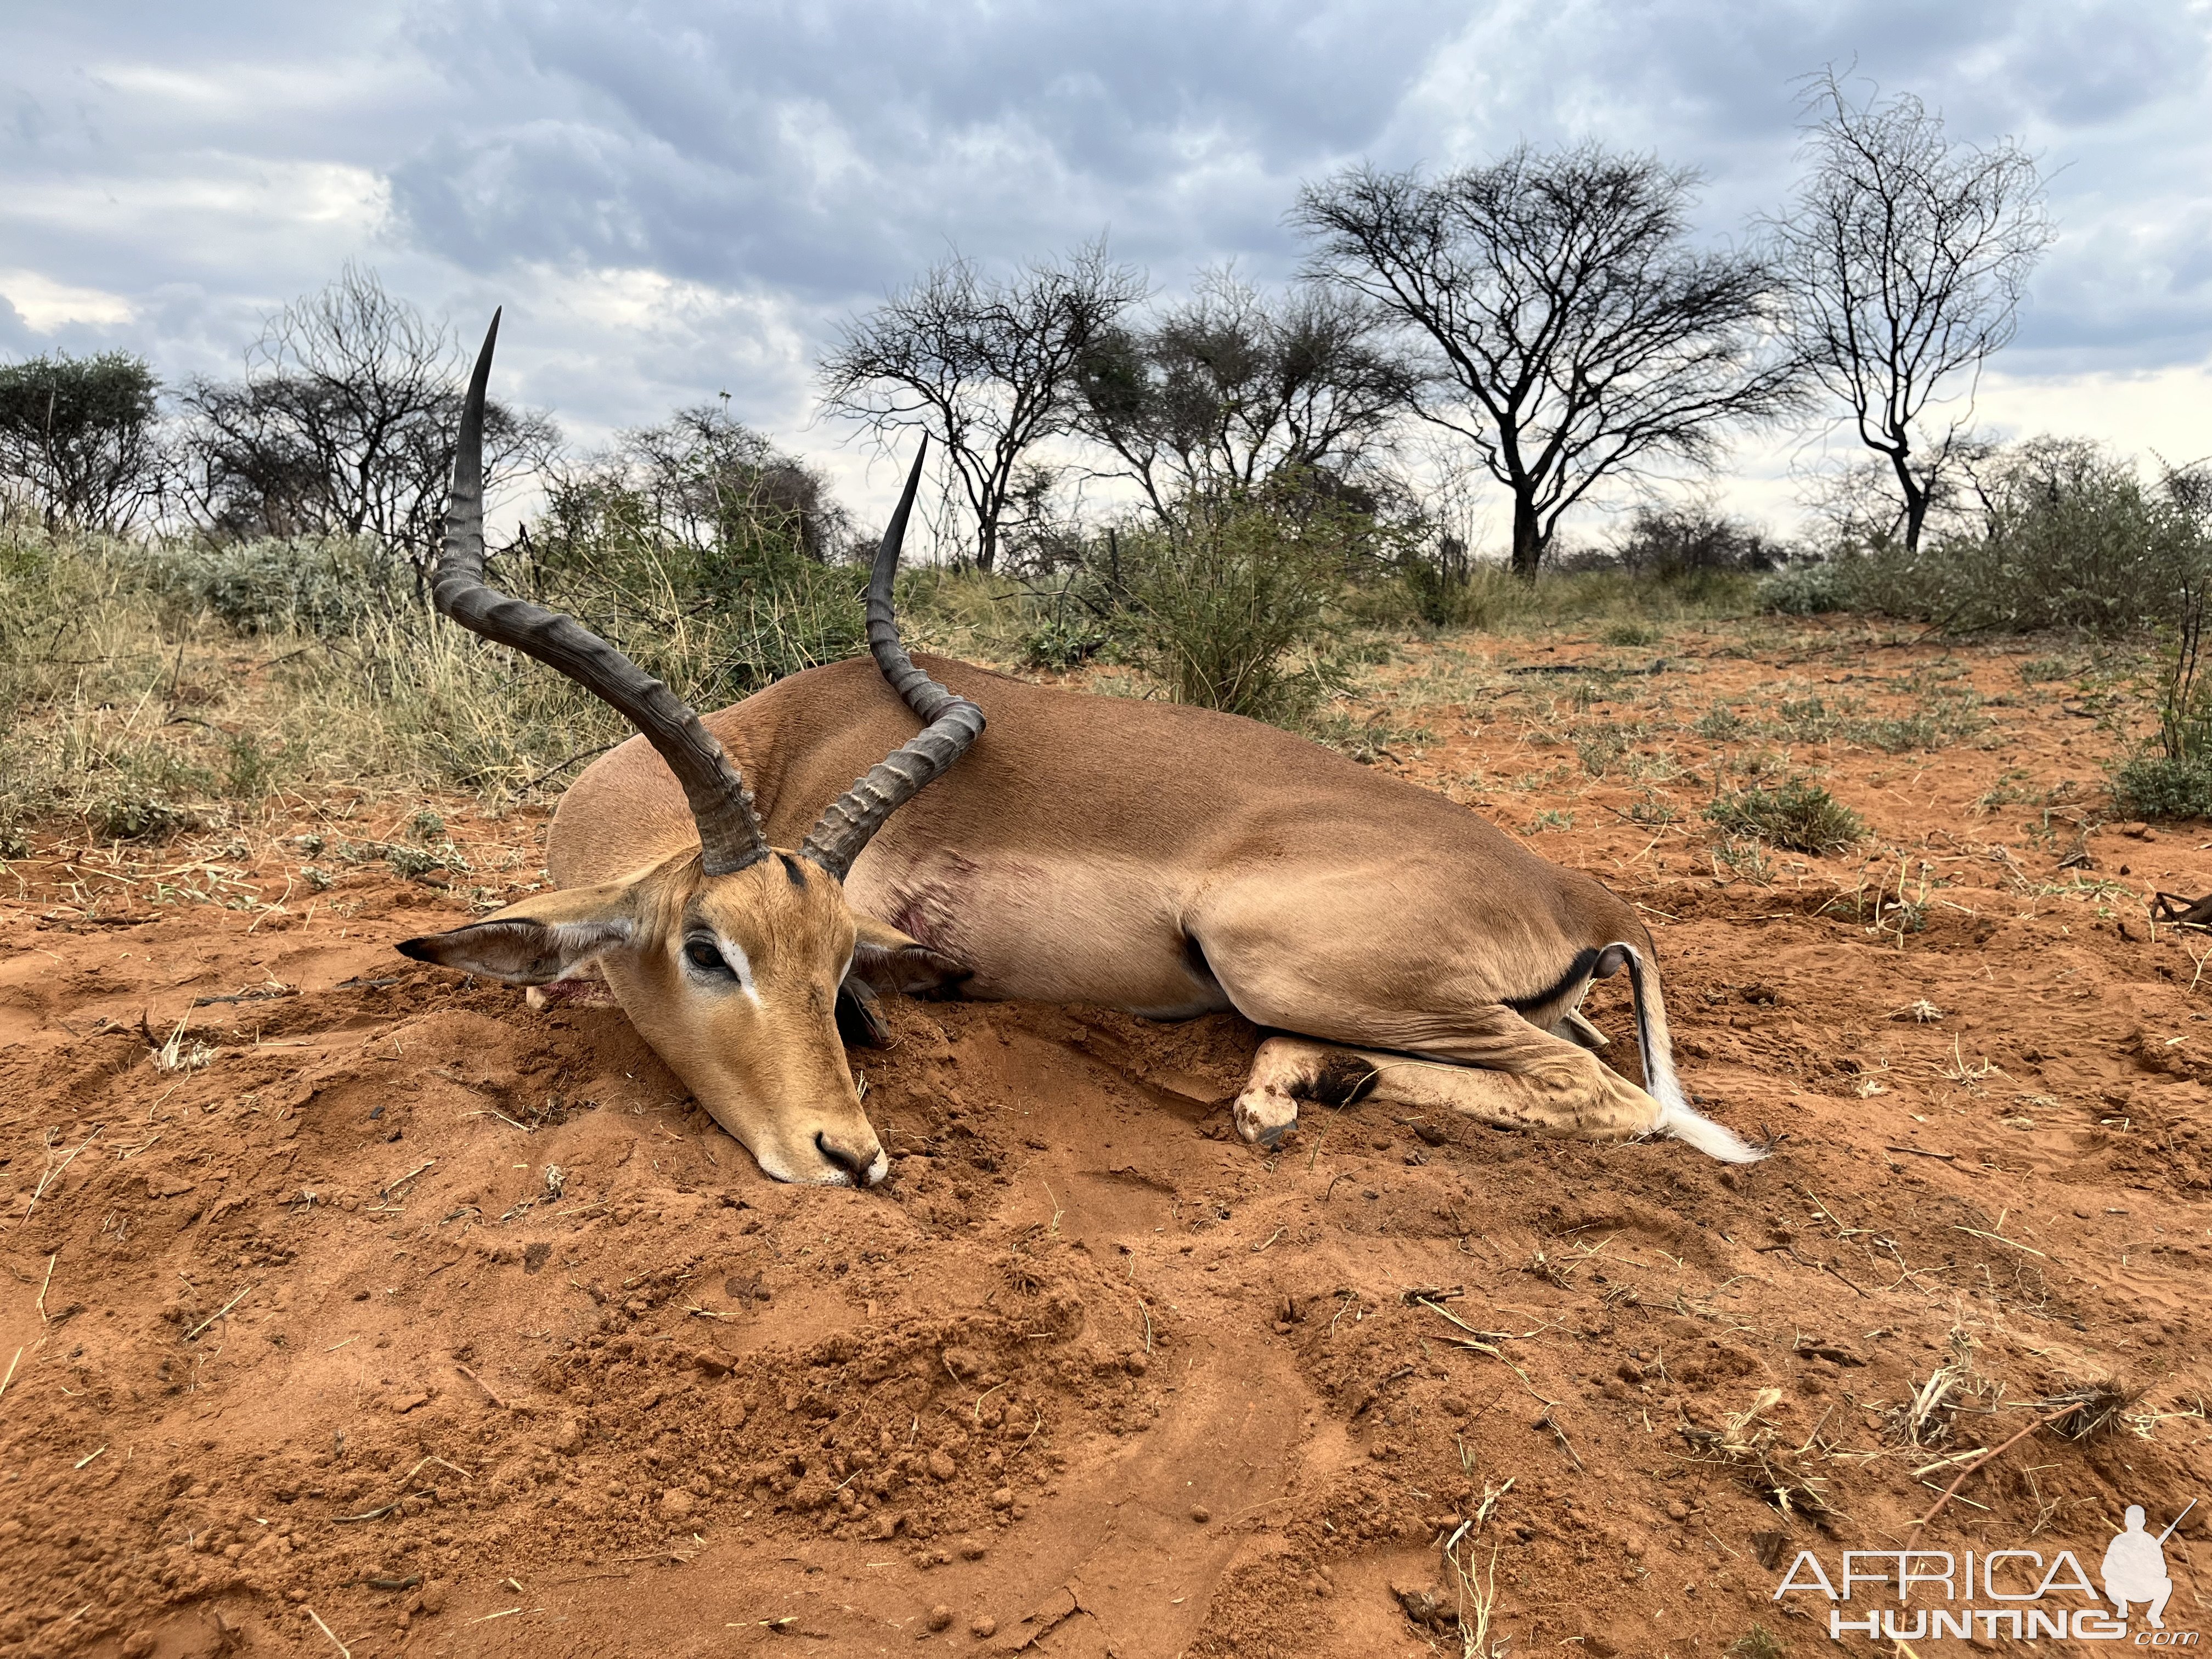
(343, 424)
(986, 366)
(1574, 338)
(1233, 387)
(1904, 257)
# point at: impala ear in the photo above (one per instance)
(887, 960)
(537, 941)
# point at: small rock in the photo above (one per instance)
(712, 1363)
(1135, 1363)
(569, 1437)
(942, 1465)
(970, 1550)
(1201, 1515)
(677, 1505)
(941, 1617)
(402, 1404)
(982, 1626)
(1002, 1499)
(433, 1597)
(1677, 1509)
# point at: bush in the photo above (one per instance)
(1807, 590)
(1795, 814)
(719, 591)
(1481, 596)
(1064, 641)
(2160, 786)
(280, 585)
(1674, 541)
(1223, 598)
(129, 815)
(2069, 537)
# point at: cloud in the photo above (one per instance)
(676, 200)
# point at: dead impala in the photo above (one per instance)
(1162, 860)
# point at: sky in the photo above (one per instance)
(674, 201)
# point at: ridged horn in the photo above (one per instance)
(952, 723)
(729, 834)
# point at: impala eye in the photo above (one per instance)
(703, 955)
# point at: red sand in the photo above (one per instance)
(314, 1348)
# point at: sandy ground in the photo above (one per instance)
(354, 1308)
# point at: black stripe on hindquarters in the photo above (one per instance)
(1577, 970)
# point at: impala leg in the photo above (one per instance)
(1503, 1071)
(1287, 1070)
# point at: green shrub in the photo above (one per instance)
(2160, 786)
(1228, 602)
(2068, 537)
(1807, 590)
(272, 586)
(1795, 814)
(1632, 632)
(131, 815)
(1063, 642)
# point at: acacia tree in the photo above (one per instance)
(343, 424)
(1904, 257)
(703, 484)
(1233, 387)
(1575, 336)
(81, 440)
(988, 366)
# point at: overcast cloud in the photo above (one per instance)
(676, 200)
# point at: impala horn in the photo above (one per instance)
(730, 837)
(950, 723)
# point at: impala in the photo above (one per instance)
(1158, 859)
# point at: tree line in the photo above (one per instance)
(1543, 319)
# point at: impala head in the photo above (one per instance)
(729, 961)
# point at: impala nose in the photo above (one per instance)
(863, 1169)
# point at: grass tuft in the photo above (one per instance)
(1795, 814)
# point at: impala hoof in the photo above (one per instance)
(1264, 1115)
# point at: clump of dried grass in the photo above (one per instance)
(1750, 1448)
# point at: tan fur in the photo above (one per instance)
(1163, 859)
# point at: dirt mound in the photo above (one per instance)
(352, 1305)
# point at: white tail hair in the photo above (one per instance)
(1677, 1117)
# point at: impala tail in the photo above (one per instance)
(1677, 1117)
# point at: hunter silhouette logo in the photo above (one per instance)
(2021, 1594)
(2135, 1567)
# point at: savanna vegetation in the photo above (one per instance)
(219, 591)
